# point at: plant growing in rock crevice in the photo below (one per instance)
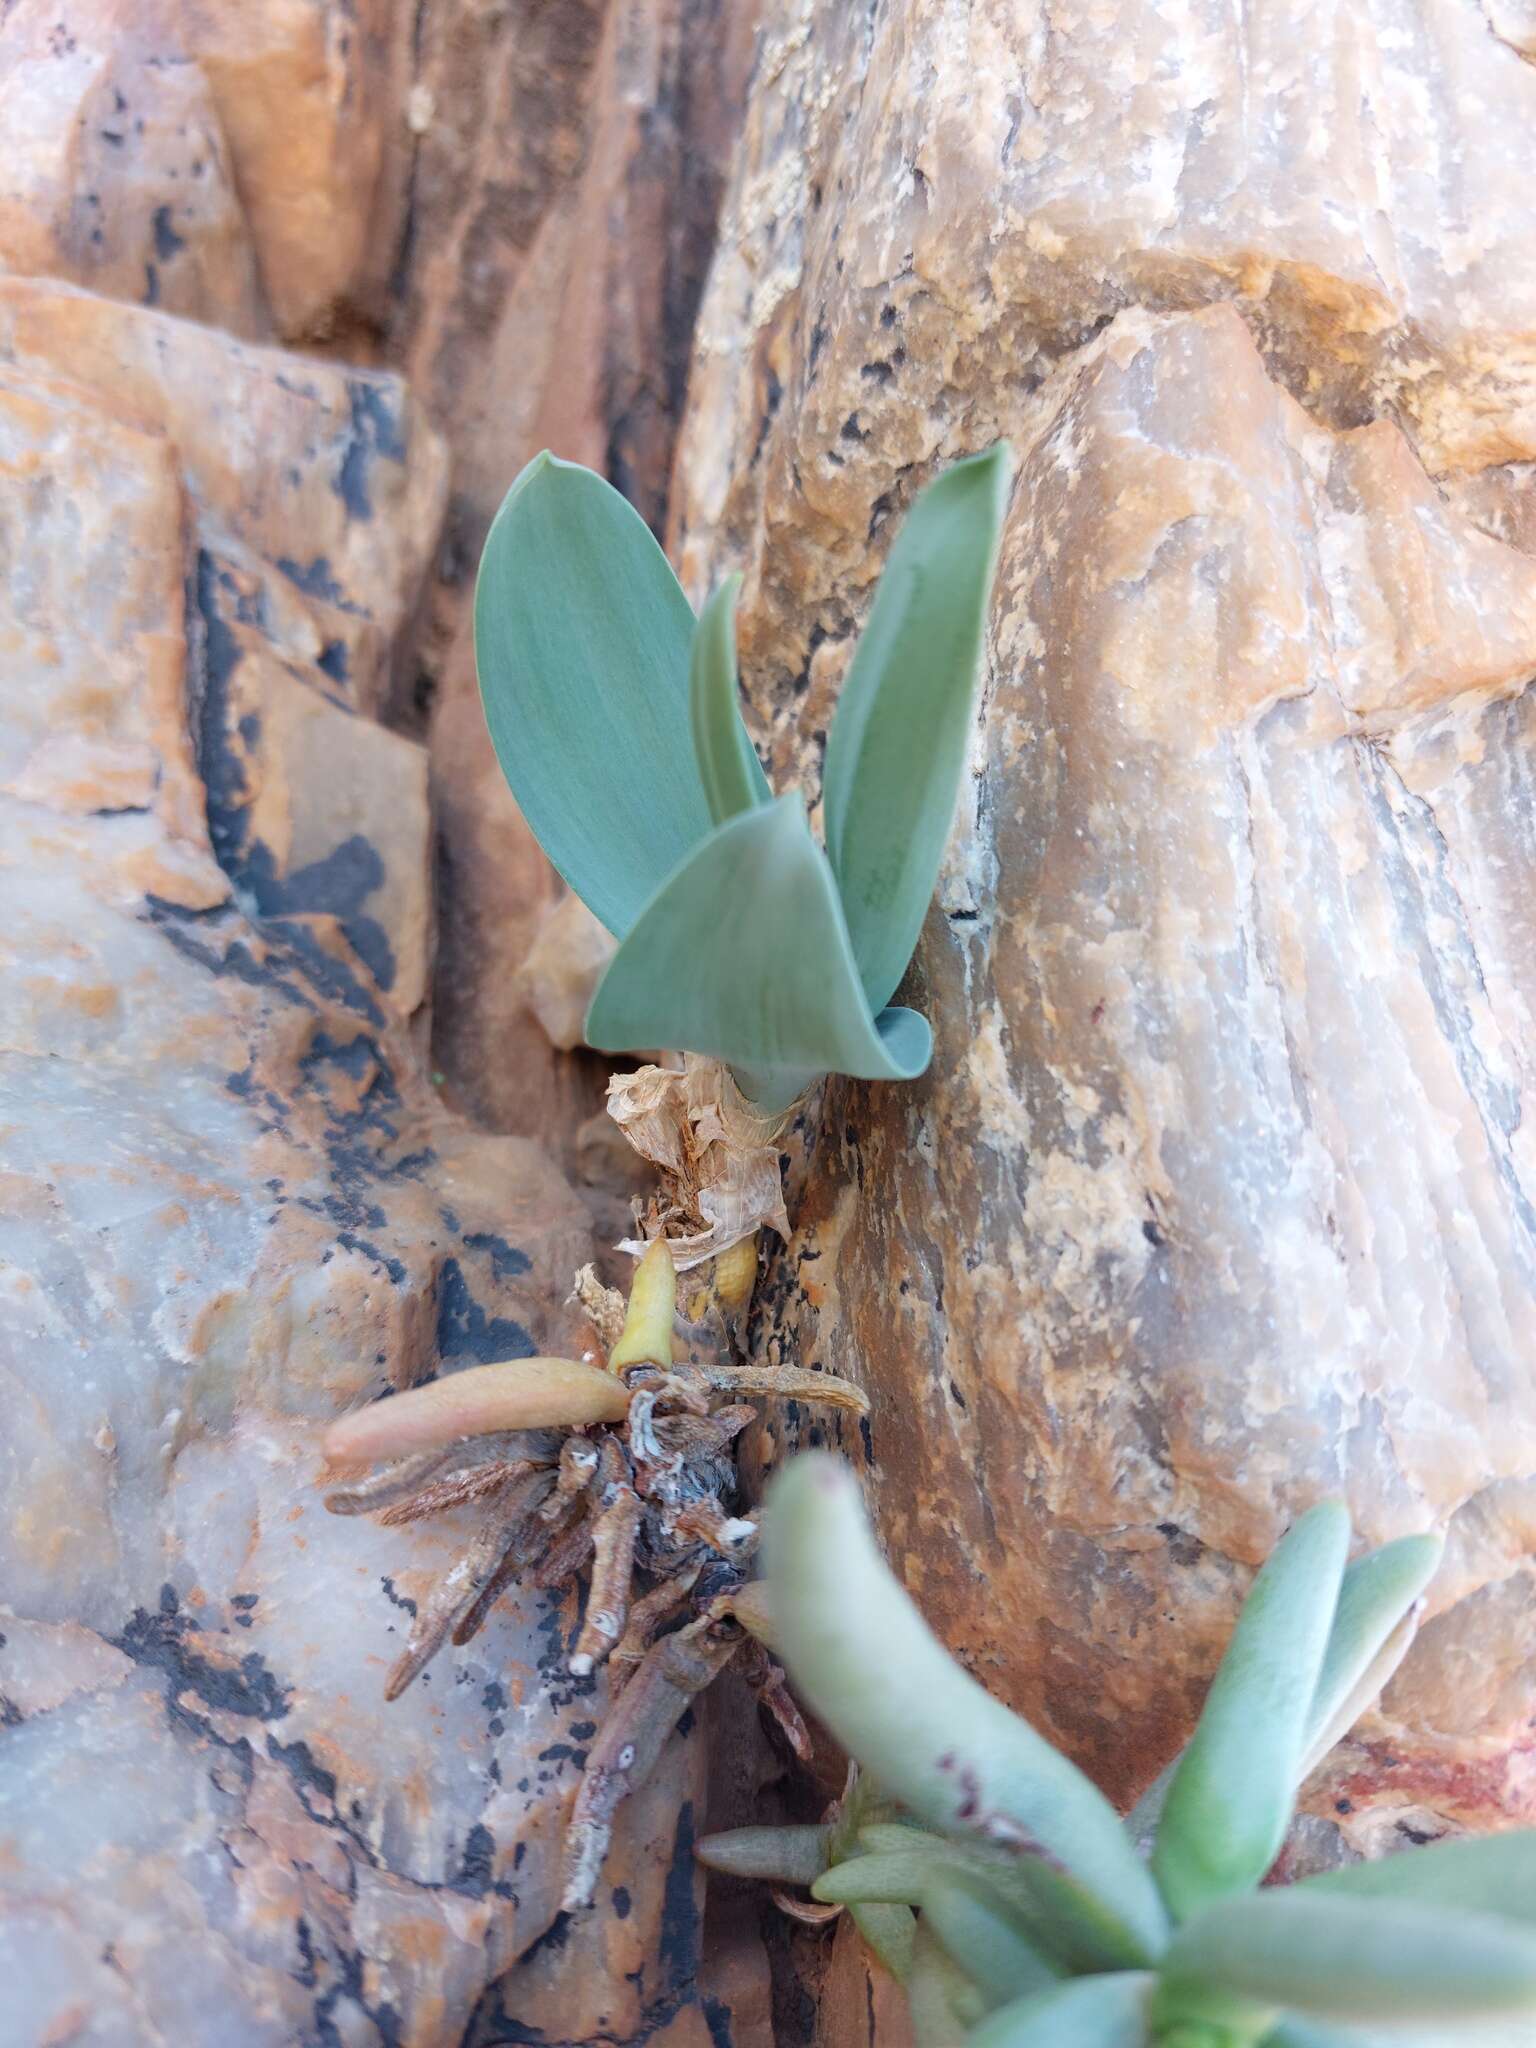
(995, 1880)
(620, 1470)
(614, 715)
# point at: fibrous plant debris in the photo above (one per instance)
(621, 1472)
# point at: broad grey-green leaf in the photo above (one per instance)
(1090, 2012)
(1349, 1959)
(990, 1943)
(788, 1855)
(888, 1933)
(902, 729)
(1372, 1629)
(1231, 1797)
(582, 639)
(729, 769)
(1492, 1874)
(743, 953)
(868, 1665)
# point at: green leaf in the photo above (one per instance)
(982, 1936)
(867, 1664)
(789, 1855)
(1226, 1811)
(894, 1878)
(902, 729)
(743, 953)
(1492, 1874)
(582, 638)
(1353, 1959)
(1091, 2012)
(1372, 1628)
(729, 769)
(888, 1933)
(942, 2001)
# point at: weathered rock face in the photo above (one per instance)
(1219, 1195)
(233, 1204)
(562, 207)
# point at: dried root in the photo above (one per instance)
(628, 1469)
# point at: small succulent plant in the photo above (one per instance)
(999, 1884)
(614, 713)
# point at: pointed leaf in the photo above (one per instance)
(1231, 1797)
(1373, 1626)
(1092, 2012)
(979, 1933)
(888, 1933)
(1356, 1959)
(902, 730)
(1493, 1874)
(582, 638)
(729, 769)
(790, 1855)
(867, 1664)
(744, 954)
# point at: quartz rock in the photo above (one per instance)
(233, 1205)
(1218, 1197)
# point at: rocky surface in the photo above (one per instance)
(1219, 1194)
(235, 1201)
(562, 206)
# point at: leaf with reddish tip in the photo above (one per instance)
(525, 1393)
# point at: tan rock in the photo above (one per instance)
(311, 95)
(330, 475)
(232, 1205)
(568, 958)
(117, 174)
(1217, 1198)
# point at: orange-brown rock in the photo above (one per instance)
(117, 173)
(1218, 1196)
(313, 95)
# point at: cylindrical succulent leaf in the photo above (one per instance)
(1231, 1797)
(942, 2001)
(524, 1393)
(1373, 1627)
(1353, 1959)
(889, 1933)
(1495, 1874)
(789, 1855)
(1091, 2012)
(956, 1758)
(988, 1941)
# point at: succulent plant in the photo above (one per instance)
(614, 715)
(1018, 1909)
